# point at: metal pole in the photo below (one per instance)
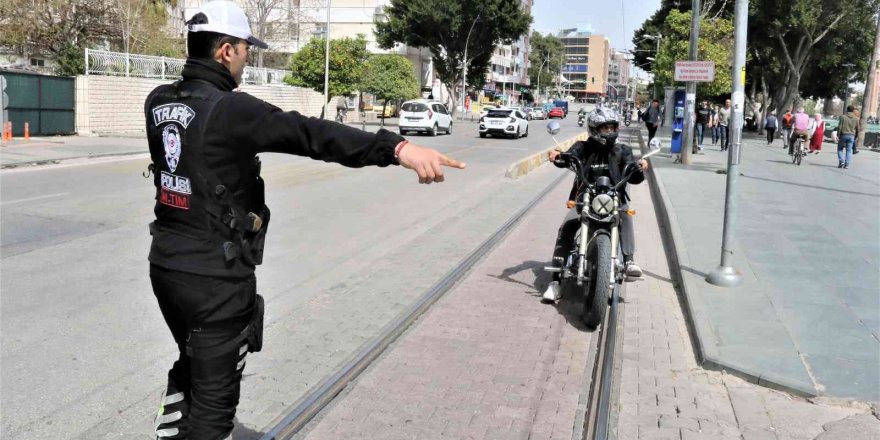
(725, 275)
(327, 62)
(464, 67)
(87, 62)
(691, 87)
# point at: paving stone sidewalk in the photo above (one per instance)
(488, 360)
(48, 150)
(807, 242)
(664, 394)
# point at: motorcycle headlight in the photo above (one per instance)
(602, 204)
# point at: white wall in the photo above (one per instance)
(111, 105)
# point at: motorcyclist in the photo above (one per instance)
(601, 155)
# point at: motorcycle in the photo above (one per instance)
(581, 120)
(593, 263)
(627, 119)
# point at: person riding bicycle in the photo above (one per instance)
(602, 155)
(341, 109)
(800, 124)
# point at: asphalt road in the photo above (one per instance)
(84, 347)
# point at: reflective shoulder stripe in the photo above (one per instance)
(240, 363)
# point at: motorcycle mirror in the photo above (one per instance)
(553, 128)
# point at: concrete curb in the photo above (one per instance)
(63, 160)
(703, 338)
(531, 163)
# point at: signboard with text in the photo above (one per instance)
(698, 71)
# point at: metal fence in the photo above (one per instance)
(101, 62)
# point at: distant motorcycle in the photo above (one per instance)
(627, 118)
(581, 120)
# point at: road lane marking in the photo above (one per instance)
(31, 199)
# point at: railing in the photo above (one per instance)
(101, 62)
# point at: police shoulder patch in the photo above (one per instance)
(173, 112)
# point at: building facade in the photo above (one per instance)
(509, 74)
(619, 77)
(585, 67)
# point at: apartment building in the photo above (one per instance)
(586, 63)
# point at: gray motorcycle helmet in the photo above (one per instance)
(599, 117)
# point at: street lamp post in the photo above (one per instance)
(725, 275)
(327, 61)
(657, 52)
(464, 64)
(541, 69)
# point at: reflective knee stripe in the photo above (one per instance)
(166, 432)
(240, 363)
(172, 399)
(243, 349)
(228, 437)
(168, 418)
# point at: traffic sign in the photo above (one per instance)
(698, 71)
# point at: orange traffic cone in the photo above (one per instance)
(7, 131)
(27, 131)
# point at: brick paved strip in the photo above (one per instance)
(663, 393)
(487, 361)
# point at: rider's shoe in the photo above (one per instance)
(552, 294)
(633, 270)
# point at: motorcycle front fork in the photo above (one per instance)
(584, 244)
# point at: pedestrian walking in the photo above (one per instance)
(211, 217)
(770, 126)
(723, 124)
(787, 120)
(652, 119)
(713, 122)
(846, 133)
(818, 134)
(702, 121)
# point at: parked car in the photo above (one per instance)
(504, 122)
(538, 113)
(556, 112)
(424, 116)
(528, 112)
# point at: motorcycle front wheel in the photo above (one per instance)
(597, 290)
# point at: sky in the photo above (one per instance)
(616, 19)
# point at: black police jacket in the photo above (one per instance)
(594, 155)
(204, 140)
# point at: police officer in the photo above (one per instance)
(211, 219)
(602, 155)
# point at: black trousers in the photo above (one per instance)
(203, 312)
(652, 130)
(571, 223)
(771, 131)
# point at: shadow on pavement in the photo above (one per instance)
(571, 305)
(542, 278)
(244, 433)
(810, 186)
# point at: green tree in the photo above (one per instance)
(389, 77)
(347, 59)
(715, 44)
(805, 44)
(443, 27)
(545, 59)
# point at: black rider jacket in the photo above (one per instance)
(228, 135)
(599, 160)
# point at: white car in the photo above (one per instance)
(538, 113)
(504, 122)
(424, 116)
(486, 109)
